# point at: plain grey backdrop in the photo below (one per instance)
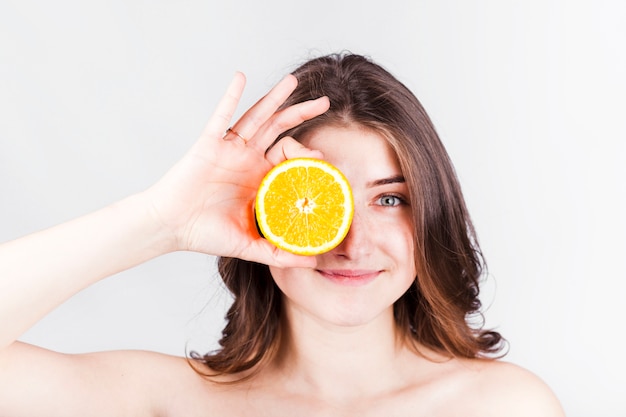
(98, 99)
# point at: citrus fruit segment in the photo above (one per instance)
(304, 206)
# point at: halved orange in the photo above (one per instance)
(304, 206)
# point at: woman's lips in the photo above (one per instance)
(353, 277)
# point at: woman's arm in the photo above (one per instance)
(40, 271)
(204, 204)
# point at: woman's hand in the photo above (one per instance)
(206, 200)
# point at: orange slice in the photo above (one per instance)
(304, 206)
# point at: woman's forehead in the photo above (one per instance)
(356, 151)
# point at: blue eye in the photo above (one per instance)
(390, 201)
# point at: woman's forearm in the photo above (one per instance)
(40, 271)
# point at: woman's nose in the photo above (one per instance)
(357, 242)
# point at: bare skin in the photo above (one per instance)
(343, 363)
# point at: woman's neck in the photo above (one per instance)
(340, 361)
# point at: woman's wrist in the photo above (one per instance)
(148, 234)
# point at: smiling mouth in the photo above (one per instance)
(353, 277)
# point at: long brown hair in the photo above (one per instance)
(438, 309)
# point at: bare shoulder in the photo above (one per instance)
(507, 389)
(36, 381)
(172, 385)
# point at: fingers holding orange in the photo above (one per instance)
(259, 127)
(288, 118)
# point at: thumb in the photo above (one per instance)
(264, 252)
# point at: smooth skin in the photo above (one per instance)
(341, 361)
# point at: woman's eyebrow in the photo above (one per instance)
(384, 181)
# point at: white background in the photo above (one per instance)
(99, 98)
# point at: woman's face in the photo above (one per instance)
(361, 278)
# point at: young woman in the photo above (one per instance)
(380, 325)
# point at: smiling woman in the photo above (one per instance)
(379, 325)
(379, 135)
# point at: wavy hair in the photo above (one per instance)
(439, 309)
